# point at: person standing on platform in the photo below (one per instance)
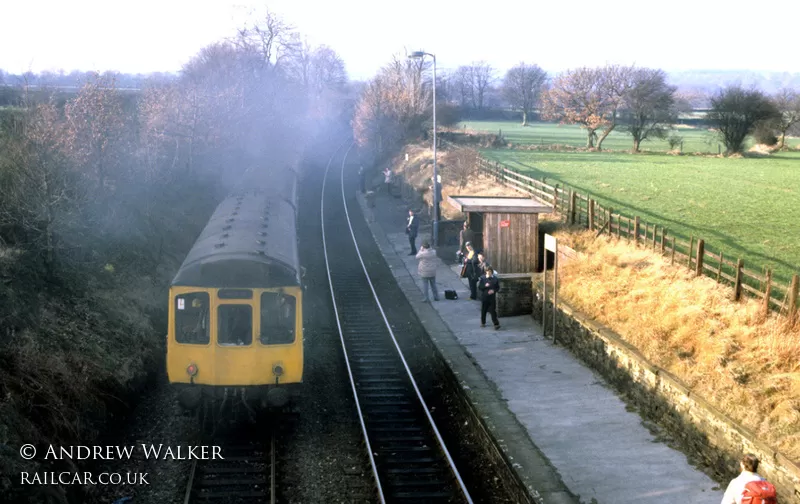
(370, 199)
(489, 286)
(412, 226)
(362, 180)
(472, 271)
(387, 179)
(427, 270)
(464, 236)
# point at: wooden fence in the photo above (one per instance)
(578, 209)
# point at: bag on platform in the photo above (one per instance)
(450, 294)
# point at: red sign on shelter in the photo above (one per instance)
(505, 223)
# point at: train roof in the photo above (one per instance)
(250, 242)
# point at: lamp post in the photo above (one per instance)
(436, 185)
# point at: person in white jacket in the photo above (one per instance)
(427, 270)
(735, 491)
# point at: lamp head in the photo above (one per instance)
(416, 55)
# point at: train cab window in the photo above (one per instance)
(191, 318)
(235, 325)
(277, 318)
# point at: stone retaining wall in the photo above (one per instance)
(515, 296)
(709, 437)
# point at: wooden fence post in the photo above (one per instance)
(591, 214)
(719, 270)
(655, 229)
(572, 209)
(555, 198)
(628, 229)
(737, 288)
(663, 234)
(701, 245)
(793, 297)
(691, 246)
(672, 259)
(636, 230)
(767, 292)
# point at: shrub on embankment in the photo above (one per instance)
(81, 337)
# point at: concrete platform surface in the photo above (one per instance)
(545, 407)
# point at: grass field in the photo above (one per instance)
(694, 139)
(745, 207)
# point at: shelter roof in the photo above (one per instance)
(499, 204)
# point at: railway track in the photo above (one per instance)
(409, 459)
(245, 475)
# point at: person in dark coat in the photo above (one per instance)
(362, 180)
(464, 236)
(472, 270)
(412, 226)
(489, 286)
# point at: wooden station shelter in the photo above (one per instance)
(506, 229)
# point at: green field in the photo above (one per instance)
(694, 139)
(745, 207)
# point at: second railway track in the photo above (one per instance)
(245, 474)
(408, 455)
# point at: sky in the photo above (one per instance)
(146, 36)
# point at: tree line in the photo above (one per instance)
(638, 101)
(76, 167)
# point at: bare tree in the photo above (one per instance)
(38, 189)
(462, 81)
(522, 87)
(591, 97)
(482, 78)
(577, 97)
(649, 106)
(736, 112)
(788, 103)
(396, 105)
(94, 125)
(615, 83)
(271, 38)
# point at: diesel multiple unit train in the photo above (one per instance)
(235, 315)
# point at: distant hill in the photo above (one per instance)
(710, 81)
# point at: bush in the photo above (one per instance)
(764, 134)
(674, 141)
(447, 115)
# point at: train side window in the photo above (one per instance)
(277, 318)
(235, 325)
(192, 318)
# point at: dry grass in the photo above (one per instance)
(418, 171)
(744, 363)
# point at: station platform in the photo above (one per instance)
(564, 431)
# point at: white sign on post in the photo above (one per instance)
(550, 244)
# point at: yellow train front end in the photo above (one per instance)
(235, 344)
